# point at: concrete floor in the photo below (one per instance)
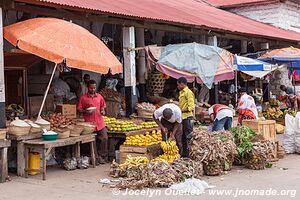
(83, 184)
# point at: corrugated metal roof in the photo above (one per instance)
(237, 3)
(188, 12)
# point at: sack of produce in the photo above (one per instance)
(288, 141)
(18, 127)
(83, 162)
(297, 143)
(70, 164)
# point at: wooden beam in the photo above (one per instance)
(2, 80)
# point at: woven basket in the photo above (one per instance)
(45, 126)
(35, 129)
(3, 132)
(144, 113)
(156, 83)
(88, 128)
(76, 130)
(63, 133)
(19, 130)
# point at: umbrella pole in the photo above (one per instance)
(236, 90)
(47, 90)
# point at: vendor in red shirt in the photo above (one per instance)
(93, 99)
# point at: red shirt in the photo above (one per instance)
(86, 101)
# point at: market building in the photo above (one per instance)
(126, 28)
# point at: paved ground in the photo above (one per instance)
(83, 184)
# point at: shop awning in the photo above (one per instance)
(20, 60)
(203, 63)
(190, 13)
(289, 56)
(249, 64)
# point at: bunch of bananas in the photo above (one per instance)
(133, 162)
(273, 113)
(144, 140)
(171, 152)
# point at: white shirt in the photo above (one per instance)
(176, 117)
(225, 112)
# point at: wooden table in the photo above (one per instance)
(17, 141)
(4, 144)
(47, 146)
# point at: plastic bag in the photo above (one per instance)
(70, 164)
(297, 143)
(288, 141)
(83, 162)
(111, 84)
(191, 186)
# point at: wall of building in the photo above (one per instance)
(284, 15)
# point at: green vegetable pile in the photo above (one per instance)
(242, 138)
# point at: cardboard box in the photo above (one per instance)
(67, 110)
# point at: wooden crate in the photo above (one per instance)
(149, 152)
(67, 110)
(266, 128)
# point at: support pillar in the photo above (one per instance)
(213, 41)
(141, 63)
(129, 69)
(2, 81)
(244, 44)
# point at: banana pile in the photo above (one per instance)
(144, 140)
(133, 162)
(171, 152)
(273, 113)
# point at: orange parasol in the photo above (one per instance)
(60, 41)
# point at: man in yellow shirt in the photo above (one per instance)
(187, 106)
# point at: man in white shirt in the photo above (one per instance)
(221, 115)
(168, 118)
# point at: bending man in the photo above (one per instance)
(168, 117)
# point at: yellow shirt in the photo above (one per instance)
(187, 101)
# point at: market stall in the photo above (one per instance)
(39, 36)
